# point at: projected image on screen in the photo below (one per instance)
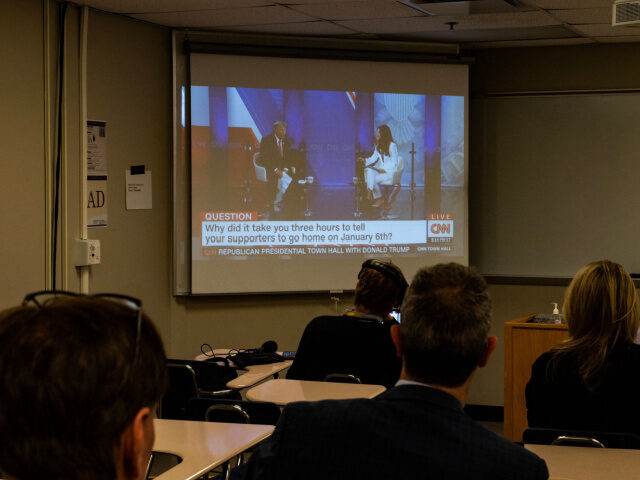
(326, 173)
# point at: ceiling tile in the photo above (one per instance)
(565, 4)
(439, 23)
(486, 35)
(226, 17)
(504, 25)
(578, 16)
(357, 10)
(471, 7)
(600, 30)
(315, 2)
(303, 28)
(547, 42)
(151, 6)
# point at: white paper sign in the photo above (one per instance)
(97, 203)
(138, 188)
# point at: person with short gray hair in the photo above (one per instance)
(418, 428)
(447, 348)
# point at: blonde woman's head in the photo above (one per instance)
(601, 303)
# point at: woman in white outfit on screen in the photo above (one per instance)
(379, 167)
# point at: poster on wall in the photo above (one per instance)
(138, 187)
(96, 173)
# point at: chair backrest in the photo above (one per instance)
(227, 414)
(192, 379)
(182, 388)
(210, 376)
(259, 413)
(552, 436)
(261, 172)
(397, 175)
(341, 378)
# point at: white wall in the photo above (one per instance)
(22, 194)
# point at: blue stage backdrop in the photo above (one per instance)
(333, 126)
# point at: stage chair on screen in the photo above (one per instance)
(341, 378)
(261, 172)
(579, 438)
(391, 191)
(259, 190)
(183, 386)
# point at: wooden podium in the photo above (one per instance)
(524, 342)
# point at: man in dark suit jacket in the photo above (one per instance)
(418, 429)
(277, 157)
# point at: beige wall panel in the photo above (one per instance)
(129, 75)
(509, 302)
(246, 321)
(581, 67)
(22, 196)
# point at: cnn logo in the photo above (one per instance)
(440, 228)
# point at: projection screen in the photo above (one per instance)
(372, 163)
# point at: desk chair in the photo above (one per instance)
(579, 438)
(212, 374)
(183, 386)
(390, 191)
(341, 378)
(232, 411)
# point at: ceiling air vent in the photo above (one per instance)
(626, 13)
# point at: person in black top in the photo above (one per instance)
(588, 382)
(358, 342)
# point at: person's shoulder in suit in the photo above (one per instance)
(503, 459)
(392, 436)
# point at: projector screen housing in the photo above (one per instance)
(333, 108)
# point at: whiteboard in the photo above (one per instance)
(554, 183)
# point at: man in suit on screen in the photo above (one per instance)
(277, 157)
(417, 429)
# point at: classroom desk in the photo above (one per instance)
(203, 445)
(281, 391)
(584, 463)
(254, 373)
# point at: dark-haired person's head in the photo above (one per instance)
(78, 390)
(377, 292)
(446, 316)
(384, 139)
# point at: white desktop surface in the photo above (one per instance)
(281, 392)
(254, 373)
(584, 463)
(203, 445)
